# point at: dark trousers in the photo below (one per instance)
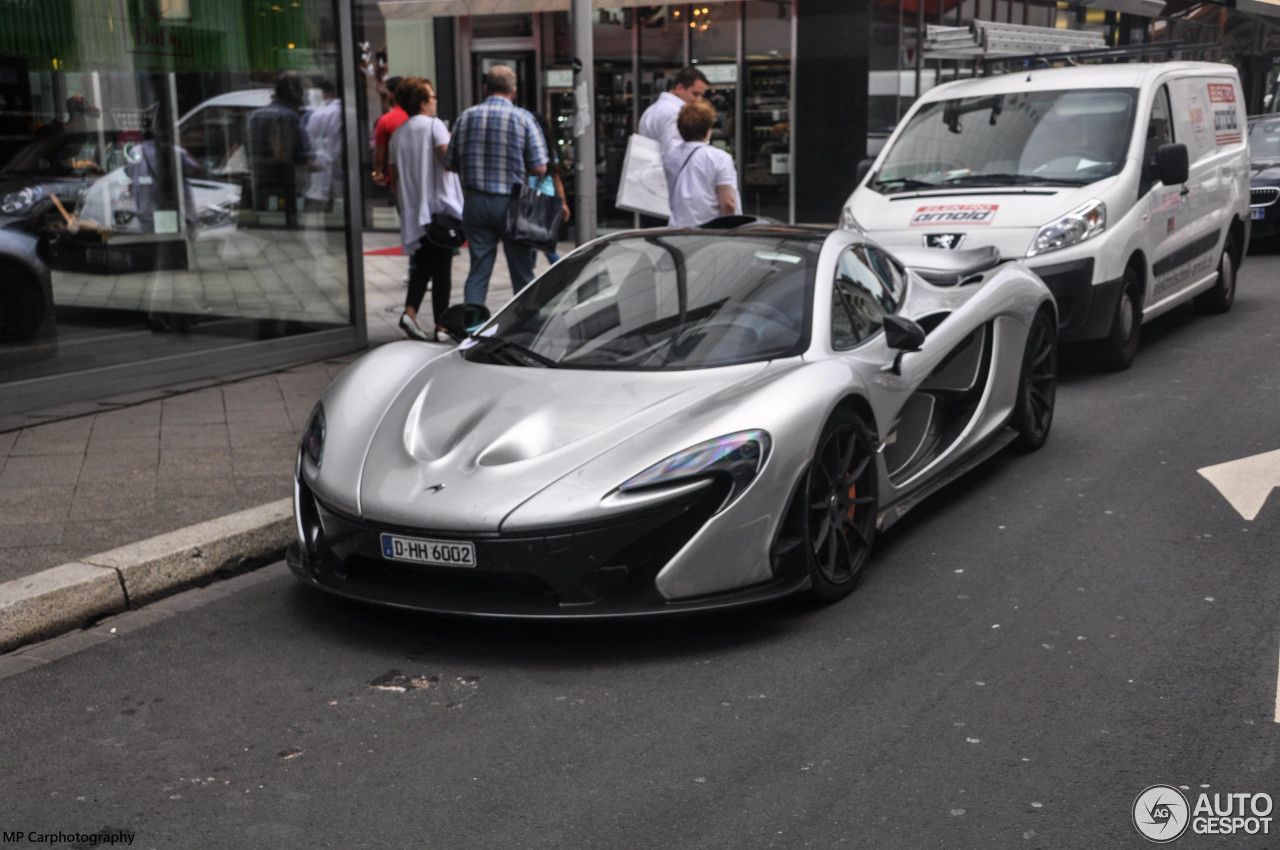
(435, 264)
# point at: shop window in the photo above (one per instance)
(180, 177)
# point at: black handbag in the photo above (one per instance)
(445, 231)
(533, 218)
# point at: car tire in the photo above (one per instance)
(1223, 294)
(22, 309)
(1117, 350)
(839, 493)
(1037, 383)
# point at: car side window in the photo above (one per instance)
(1159, 132)
(868, 286)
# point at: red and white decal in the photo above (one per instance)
(954, 214)
(1221, 93)
(1226, 121)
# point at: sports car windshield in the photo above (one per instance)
(662, 300)
(1046, 138)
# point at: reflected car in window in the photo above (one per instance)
(668, 421)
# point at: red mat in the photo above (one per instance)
(393, 251)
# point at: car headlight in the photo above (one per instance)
(738, 457)
(848, 222)
(1073, 228)
(15, 202)
(313, 435)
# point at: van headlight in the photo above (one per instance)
(1073, 228)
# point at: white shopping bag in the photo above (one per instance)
(643, 187)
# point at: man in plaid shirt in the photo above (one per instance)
(495, 145)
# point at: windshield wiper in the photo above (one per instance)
(529, 355)
(904, 183)
(1014, 180)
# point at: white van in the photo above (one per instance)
(1124, 186)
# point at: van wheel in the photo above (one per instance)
(1223, 294)
(1120, 346)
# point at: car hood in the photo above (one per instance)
(12, 181)
(464, 444)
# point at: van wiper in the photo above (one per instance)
(1013, 180)
(904, 183)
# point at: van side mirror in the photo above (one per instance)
(1172, 164)
(863, 167)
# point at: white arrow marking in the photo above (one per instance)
(1278, 699)
(1247, 482)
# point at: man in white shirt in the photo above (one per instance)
(658, 122)
(702, 182)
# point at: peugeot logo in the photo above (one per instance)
(943, 240)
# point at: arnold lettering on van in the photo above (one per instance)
(954, 214)
(1178, 277)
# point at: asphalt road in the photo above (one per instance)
(1030, 650)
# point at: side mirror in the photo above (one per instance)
(461, 319)
(1172, 164)
(863, 167)
(903, 334)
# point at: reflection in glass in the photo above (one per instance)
(176, 190)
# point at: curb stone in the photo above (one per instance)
(69, 596)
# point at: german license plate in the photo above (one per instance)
(440, 553)
(1258, 213)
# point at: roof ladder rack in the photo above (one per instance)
(990, 39)
(1165, 49)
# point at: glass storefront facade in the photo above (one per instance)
(743, 46)
(173, 192)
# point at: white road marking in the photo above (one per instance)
(1246, 482)
(1277, 695)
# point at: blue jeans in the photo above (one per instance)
(484, 218)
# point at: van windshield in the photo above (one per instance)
(1047, 138)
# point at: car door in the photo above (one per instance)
(923, 401)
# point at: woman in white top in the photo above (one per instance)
(702, 183)
(425, 190)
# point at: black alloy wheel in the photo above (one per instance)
(1223, 294)
(1120, 346)
(1037, 384)
(840, 507)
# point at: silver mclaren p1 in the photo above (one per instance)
(671, 421)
